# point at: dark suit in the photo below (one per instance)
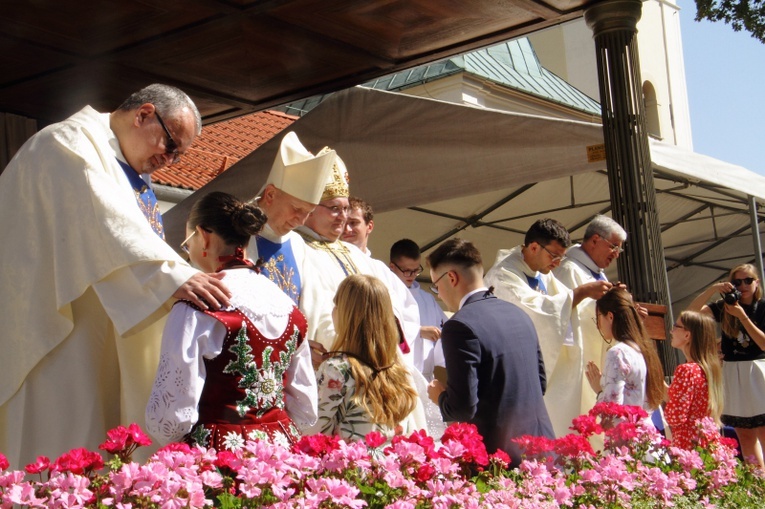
(495, 373)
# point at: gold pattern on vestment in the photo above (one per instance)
(341, 253)
(281, 274)
(337, 187)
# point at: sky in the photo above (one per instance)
(725, 75)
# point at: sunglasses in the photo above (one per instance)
(171, 147)
(747, 280)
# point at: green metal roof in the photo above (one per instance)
(513, 64)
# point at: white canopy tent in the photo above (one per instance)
(433, 170)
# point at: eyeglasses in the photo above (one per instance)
(185, 243)
(171, 147)
(678, 326)
(614, 247)
(335, 210)
(409, 273)
(747, 280)
(433, 287)
(555, 258)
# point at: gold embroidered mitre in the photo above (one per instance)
(337, 183)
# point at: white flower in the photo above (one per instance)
(281, 440)
(257, 434)
(233, 441)
(266, 388)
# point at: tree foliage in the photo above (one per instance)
(748, 15)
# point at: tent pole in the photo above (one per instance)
(755, 222)
(628, 158)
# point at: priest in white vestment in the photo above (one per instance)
(329, 261)
(523, 276)
(292, 191)
(87, 273)
(585, 263)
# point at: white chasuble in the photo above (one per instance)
(551, 313)
(86, 280)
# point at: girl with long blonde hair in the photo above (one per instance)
(363, 384)
(741, 315)
(696, 390)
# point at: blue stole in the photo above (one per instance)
(145, 198)
(599, 276)
(280, 266)
(536, 283)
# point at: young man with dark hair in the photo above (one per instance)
(523, 276)
(405, 263)
(495, 371)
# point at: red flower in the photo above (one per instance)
(586, 425)
(374, 439)
(176, 447)
(534, 446)
(138, 436)
(425, 472)
(41, 464)
(500, 458)
(227, 459)
(78, 461)
(3, 462)
(317, 445)
(572, 445)
(334, 384)
(468, 436)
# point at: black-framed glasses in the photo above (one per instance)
(614, 247)
(555, 258)
(185, 243)
(336, 210)
(433, 287)
(747, 280)
(409, 273)
(171, 147)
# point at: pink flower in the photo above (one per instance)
(41, 464)
(534, 446)
(3, 462)
(424, 473)
(176, 447)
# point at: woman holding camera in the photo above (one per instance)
(741, 314)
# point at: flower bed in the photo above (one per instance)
(636, 469)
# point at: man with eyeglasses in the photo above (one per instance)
(89, 274)
(329, 261)
(405, 262)
(523, 276)
(495, 371)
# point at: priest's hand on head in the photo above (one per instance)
(205, 290)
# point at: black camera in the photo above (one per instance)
(732, 297)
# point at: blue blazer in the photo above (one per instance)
(495, 373)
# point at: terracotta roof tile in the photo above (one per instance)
(221, 145)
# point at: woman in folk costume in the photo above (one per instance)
(240, 373)
(697, 388)
(632, 372)
(364, 385)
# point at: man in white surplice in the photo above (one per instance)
(523, 276)
(88, 275)
(585, 263)
(292, 191)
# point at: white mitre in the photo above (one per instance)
(299, 173)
